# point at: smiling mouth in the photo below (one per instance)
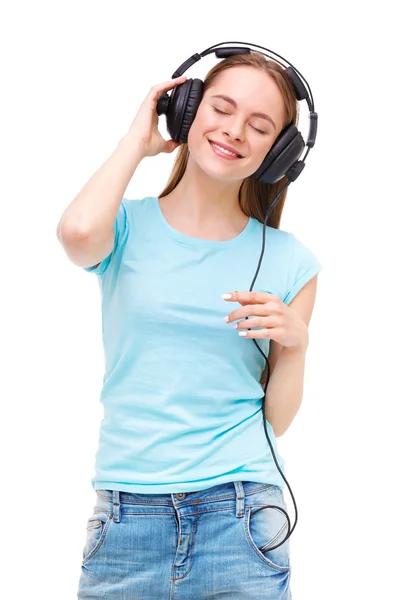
(224, 151)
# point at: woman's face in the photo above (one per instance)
(235, 123)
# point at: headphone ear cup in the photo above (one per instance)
(284, 153)
(183, 105)
(190, 110)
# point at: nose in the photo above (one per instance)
(234, 129)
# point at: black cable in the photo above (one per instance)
(270, 208)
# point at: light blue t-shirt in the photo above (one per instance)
(181, 390)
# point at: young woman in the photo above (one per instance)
(183, 466)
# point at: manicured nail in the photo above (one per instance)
(242, 333)
(226, 296)
(226, 319)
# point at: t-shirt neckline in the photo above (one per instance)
(199, 242)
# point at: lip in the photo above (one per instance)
(226, 147)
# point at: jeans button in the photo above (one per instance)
(181, 496)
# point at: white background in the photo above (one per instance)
(73, 77)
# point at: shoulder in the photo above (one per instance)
(138, 204)
(137, 207)
(279, 238)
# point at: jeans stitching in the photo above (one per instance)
(100, 541)
(257, 551)
(270, 543)
(197, 502)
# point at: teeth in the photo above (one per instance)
(224, 150)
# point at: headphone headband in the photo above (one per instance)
(302, 93)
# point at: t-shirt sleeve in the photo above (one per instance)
(303, 266)
(121, 231)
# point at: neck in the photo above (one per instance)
(203, 201)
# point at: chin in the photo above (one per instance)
(219, 172)
(218, 168)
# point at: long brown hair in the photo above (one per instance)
(254, 197)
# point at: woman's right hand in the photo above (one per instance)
(144, 129)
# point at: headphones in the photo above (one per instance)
(283, 157)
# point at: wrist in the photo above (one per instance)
(130, 144)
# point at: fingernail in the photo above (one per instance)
(226, 296)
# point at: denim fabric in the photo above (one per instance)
(208, 544)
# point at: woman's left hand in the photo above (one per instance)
(279, 322)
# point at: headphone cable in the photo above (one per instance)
(290, 531)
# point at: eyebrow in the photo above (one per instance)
(255, 114)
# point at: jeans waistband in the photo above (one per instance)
(233, 489)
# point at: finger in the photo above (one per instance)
(256, 322)
(249, 297)
(157, 90)
(248, 310)
(256, 334)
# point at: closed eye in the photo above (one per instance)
(219, 111)
(224, 113)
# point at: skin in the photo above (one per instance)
(279, 322)
(205, 202)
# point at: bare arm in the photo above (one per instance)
(86, 228)
(285, 388)
(95, 208)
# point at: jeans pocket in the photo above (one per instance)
(96, 531)
(265, 527)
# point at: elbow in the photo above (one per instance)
(68, 233)
(278, 432)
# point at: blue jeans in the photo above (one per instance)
(209, 544)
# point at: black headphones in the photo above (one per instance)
(282, 159)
